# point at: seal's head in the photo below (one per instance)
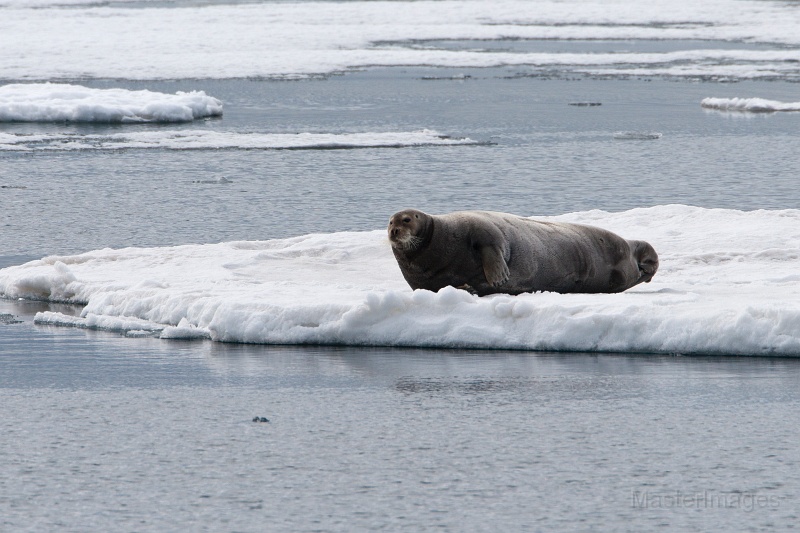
(407, 228)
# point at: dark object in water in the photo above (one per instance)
(6, 318)
(260, 419)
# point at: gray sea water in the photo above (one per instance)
(101, 432)
(548, 157)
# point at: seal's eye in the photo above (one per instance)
(407, 220)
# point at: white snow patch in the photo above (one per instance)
(727, 284)
(102, 322)
(58, 102)
(186, 331)
(751, 105)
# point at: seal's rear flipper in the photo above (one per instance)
(647, 259)
(467, 287)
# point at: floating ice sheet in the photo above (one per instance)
(636, 135)
(749, 105)
(728, 284)
(293, 39)
(214, 140)
(59, 102)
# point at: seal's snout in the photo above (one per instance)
(403, 229)
(397, 224)
(394, 231)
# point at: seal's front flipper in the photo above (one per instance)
(494, 266)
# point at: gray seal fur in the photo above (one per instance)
(487, 252)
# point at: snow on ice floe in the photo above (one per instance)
(749, 105)
(214, 140)
(296, 39)
(728, 284)
(58, 102)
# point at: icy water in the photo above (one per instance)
(548, 157)
(102, 432)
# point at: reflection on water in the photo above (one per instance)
(43, 356)
(459, 386)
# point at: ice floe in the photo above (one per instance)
(749, 105)
(60, 102)
(728, 284)
(215, 140)
(636, 135)
(295, 39)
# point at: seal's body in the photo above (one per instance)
(487, 252)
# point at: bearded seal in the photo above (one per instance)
(486, 252)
